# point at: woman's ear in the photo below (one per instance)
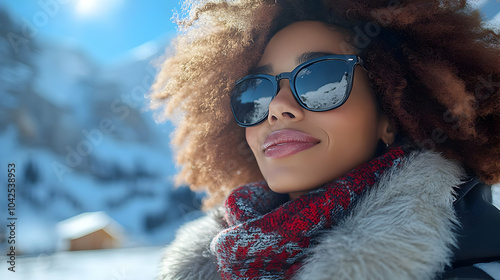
(386, 129)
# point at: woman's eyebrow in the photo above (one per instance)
(268, 68)
(311, 55)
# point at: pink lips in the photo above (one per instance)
(287, 142)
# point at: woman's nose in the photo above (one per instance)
(284, 107)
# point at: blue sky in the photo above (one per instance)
(104, 29)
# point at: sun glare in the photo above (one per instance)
(94, 8)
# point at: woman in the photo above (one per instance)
(336, 139)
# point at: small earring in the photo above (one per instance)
(387, 145)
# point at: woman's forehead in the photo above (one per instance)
(305, 37)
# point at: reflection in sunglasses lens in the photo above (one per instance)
(252, 100)
(322, 85)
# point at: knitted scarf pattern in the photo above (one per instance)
(268, 236)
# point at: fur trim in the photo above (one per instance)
(189, 256)
(400, 229)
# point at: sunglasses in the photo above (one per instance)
(318, 85)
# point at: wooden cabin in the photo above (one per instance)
(90, 231)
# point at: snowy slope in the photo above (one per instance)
(121, 264)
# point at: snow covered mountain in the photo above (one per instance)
(82, 140)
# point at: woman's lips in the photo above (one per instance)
(287, 142)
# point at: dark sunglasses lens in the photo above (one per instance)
(250, 100)
(323, 85)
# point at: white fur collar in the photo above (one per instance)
(400, 229)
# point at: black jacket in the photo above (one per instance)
(479, 234)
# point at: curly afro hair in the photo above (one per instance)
(434, 65)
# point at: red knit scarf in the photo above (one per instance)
(267, 236)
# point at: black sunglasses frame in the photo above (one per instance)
(351, 60)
